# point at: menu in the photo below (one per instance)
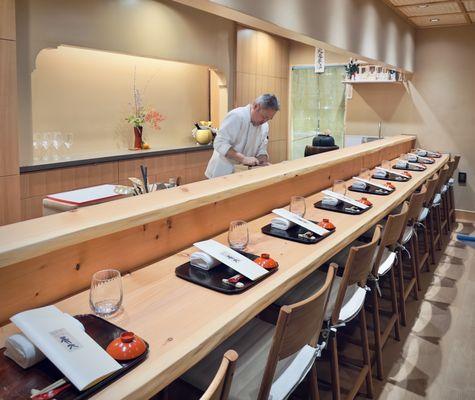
(66, 345)
(282, 212)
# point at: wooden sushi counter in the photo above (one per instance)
(52, 258)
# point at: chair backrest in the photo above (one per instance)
(415, 205)
(219, 387)
(442, 178)
(451, 164)
(311, 150)
(298, 324)
(431, 186)
(392, 232)
(457, 160)
(358, 266)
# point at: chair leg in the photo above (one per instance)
(397, 333)
(426, 245)
(366, 354)
(452, 204)
(402, 302)
(378, 347)
(335, 371)
(313, 382)
(414, 268)
(448, 223)
(438, 228)
(415, 251)
(430, 222)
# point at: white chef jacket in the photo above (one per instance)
(238, 132)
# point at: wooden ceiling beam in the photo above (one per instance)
(464, 10)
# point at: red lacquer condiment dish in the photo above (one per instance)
(365, 201)
(126, 347)
(326, 224)
(266, 262)
(390, 185)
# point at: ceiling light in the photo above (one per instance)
(423, 5)
(434, 20)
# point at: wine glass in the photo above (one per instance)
(339, 186)
(105, 296)
(36, 146)
(57, 141)
(45, 144)
(68, 143)
(297, 205)
(238, 235)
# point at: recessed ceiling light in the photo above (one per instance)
(423, 5)
(434, 20)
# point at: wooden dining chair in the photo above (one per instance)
(445, 209)
(425, 218)
(436, 206)
(219, 387)
(451, 183)
(346, 302)
(273, 360)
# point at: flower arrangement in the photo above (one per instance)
(351, 68)
(140, 116)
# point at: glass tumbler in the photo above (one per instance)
(297, 205)
(339, 186)
(365, 174)
(238, 235)
(386, 164)
(105, 296)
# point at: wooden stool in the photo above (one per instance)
(425, 219)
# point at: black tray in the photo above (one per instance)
(340, 208)
(212, 279)
(370, 189)
(410, 170)
(17, 382)
(293, 233)
(393, 177)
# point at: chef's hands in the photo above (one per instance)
(250, 161)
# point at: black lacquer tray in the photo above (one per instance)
(342, 207)
(371, 189)
(17, 382)
(419, 169)
(393, 177)
(212, 279)
(293, 234)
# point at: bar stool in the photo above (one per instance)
(273, 360)
(221, 384)
(436, 207)
(446, 197)
(425, 220)
(346, 302)
(385, 260)
(451, 182)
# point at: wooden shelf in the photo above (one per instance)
(380, 81)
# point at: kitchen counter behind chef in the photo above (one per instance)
(243, 137)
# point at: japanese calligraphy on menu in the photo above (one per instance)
(66, 345)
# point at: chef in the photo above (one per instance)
(243, 137)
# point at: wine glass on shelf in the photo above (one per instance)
(297, 205)
(57, 142)
(339, 186)
(45, 144)
(238, 235)
(36, 146)
(68, 138)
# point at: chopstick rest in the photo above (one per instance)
(281, 223)
(200, 259)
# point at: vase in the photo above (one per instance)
(138, 137)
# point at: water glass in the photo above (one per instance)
(36, 146)
(386, 164)
(238, 235)
(339, 186)
(45, 144)
(365, 174)
(105, 296)
(68, 142)
(297, 205)
(57, 142)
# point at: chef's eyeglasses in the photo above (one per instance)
(264, 113)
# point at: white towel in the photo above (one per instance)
(359, 185)
(422, 153)
(281, 223)
(200, 259)
(19, 348)
(330, 201)
(401, 164)
(380, 174)
(412, 157)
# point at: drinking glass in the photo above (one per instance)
(297, 205)
(339, 186)
(45, 144)
(68, 143)
(36, 146)
(238, 235)
(365, 174)
(105, 296)
(57, 142)
(386, 164)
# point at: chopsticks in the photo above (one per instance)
(50, 391)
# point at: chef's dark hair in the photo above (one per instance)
(268, 101)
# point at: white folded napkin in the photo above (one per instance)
(422, 153)
(359, 185)
(412, 157)
(380, 174)
(401, 164)
(330, 201)
(281, 223)
(200, 259)
(21, 350)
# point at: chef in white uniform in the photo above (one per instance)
(243, 137)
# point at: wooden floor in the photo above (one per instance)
(435, 358)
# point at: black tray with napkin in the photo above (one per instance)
(371, 189)
(296, 233)
(392, 177)
(213, 278)
(342, 207)
(414, 167)
(18, 382)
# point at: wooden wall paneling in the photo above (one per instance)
(9, 199)
(277, 150)
(31, 207)
(7, 19)
(8, 109)
(47, 278)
